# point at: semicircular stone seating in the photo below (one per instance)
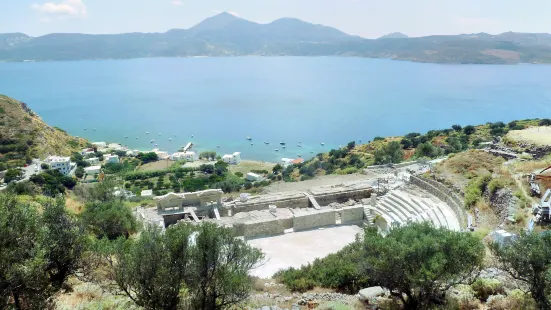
(401, 207)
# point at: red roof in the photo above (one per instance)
(298, 161)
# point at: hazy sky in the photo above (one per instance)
(367, 18)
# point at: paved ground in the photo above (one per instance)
(318, 181)
(299, 248)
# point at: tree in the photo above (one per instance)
(188, 267)
(221, 266)
(277, 169)
(79, 173)
(207, 168)
(44, 166)
(457, 127)
(406, 143)
(528, 259)
(417, 263)
(64, 242)
(12, 175)
(469, 130)
(148, 157)
(351, 145)
(390, 153)
(109, 219)
(545, 122)
(38, 252)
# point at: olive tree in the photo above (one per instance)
(417, 263)
(528, 259)
(189, 267)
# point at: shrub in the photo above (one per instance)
(494, 185)
(483, 288)
(469, 130)
(239, 174)
(475, 189)
(545, 122)
(109, 219)
(378, 139)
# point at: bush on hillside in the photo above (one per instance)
(475, 189)
(109, 219)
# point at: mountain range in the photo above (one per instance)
(228, 35)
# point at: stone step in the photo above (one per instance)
(405, 206)
(389, 218)
(412, 205)
(443, 218)
(433, 215)
(422, 214)
(393, 210)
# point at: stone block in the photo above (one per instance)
(313, 219)
(352, 214)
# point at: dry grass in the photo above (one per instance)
(156, 166)
(73, 205)
(533, 166)
(533, 135)
(247, 165)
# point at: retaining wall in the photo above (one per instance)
(352, 214)
(266, 227)
(342, 196)
(444, 194)
(306, 220)
(291, 203)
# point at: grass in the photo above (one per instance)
(246, 166)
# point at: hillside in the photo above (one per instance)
(227, 35)
(23, 135)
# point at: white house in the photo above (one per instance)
(92, 170)
(253, 177)
(161, 154)
(87, 151)
(286, 162)
(132, 153)
(187, 156)
(62, 164)
(100, 145)
(233, 159)
(92, 161)
(112, 158)
(147, 193)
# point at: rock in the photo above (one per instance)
(295, 307)
(266, 308)
(371, 292)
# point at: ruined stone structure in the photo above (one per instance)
(194, 206)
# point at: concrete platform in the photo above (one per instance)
(299, 248)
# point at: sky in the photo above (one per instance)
(366, 18)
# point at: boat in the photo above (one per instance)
(94, 129)
(147, 132)
(252, 143)
(152, 141)
(126, 137)
(156, 145)
(322, 143)
(218, 146)
(298, 155)
(84, 128)
(276, 150)
(192, 136)
(249, 138)
(159, 133)
(311, 152)
(283, 146)
(299, 145)
(282, 143)
(169, 139)
(136, 138)
(266, 142)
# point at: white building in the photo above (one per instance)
(253, 177)
(187, 156)
(62, 164)
(116, 147)
(132, 153)
(112, 158)
(100, 145)
(147, 193)
(87, 151)
(286, 162)
(161, 154)
(92, 170)
(233, 159)
(92, 161)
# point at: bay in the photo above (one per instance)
(221, 101)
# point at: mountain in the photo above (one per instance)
(23, 135)
(228, 35)
(394, 35)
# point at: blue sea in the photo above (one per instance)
(221, 101)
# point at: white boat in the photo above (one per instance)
(156, 145)
(299, 145)
(299, 155)
(136, 138)
(252, 143)
(159, 133)
(218, 146)
(84, 128)
(249, 138)
(276, 150)
(322, 143)
(147, 132)
(152, 141)
(169, 139)
(283, 146)
(126, 137)
(265, 142)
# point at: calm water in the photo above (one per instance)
(220, 101)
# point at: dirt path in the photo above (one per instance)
(318, 181)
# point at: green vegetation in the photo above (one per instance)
(109, 219)
(391, 153)
(416, 263)
(147, 157)
(528, 259)
(12, 175)
(336, 271)
(170, 271)
(475, 189)
(39, 252)
(207, 155)
(52, 182)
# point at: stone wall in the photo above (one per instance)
(352, 214)
(444, 194)
(252, 205)
(342, 196)
(266, 227)
(314, 219)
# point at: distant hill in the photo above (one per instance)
(394, 35)
(228, 35)
(23, 135)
